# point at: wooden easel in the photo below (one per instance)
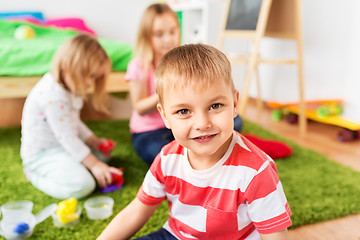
(276, 19)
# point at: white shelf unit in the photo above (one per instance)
(195, 15)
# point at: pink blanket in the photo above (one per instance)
(77, 24)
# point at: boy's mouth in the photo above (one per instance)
(204, 138)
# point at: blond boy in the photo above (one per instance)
(218, 184)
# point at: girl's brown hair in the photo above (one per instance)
(81, 56)
(143, 47)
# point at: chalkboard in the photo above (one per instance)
(255, 19)
(243, 14)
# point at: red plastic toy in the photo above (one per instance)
(107, 147)
(117, 183)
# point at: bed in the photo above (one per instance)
(24, 61)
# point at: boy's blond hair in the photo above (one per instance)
(80, 56)
(143, 47)
(192, 65)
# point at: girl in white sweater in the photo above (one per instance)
(56, 146)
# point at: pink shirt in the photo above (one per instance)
(237, 198)
(151, 121)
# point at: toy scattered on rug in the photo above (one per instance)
(21, 227)
(117, 179)
(117, 182)
(67, 213)
(275, 149)
(100, 207)
(24, 32)
(18, 221)
(107, 147)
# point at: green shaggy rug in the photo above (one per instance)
(317, 188)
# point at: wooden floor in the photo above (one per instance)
(321, 138)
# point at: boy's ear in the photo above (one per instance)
(163, 115)
(236, 103)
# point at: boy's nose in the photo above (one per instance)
(202, 122)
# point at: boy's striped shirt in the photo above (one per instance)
(238, 198)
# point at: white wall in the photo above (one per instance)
(331, 43)
(352, 73)
(331, 37)
(116, 19)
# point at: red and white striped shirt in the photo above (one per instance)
(237, 198)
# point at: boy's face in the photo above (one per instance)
(201, 120)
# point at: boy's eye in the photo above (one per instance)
(215, 106)
(183, 112)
